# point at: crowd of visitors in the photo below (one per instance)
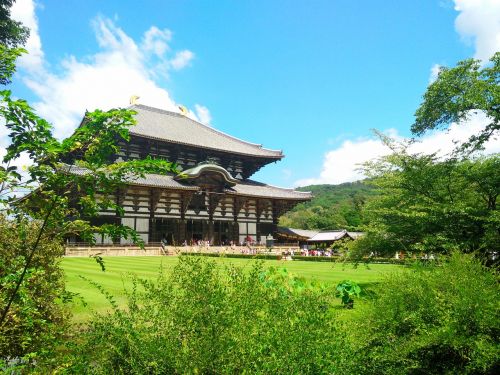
(316, 253)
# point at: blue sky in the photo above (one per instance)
(308, 77)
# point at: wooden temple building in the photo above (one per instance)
(215, 200)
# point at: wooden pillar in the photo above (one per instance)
(154, 199)
(181, 231)
(120, 198)
(184, 204)
(213, 201)
(277, 212)
(238, 203)
(210, 231)
(258, 212)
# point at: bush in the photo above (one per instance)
(36, 318)
(431, 320)
(209, 318)
(346, 290)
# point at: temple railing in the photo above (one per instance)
(156, 249)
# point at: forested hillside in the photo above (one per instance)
(333, 207)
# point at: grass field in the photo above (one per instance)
(116, 277)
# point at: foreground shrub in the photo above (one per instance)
(346, 290)
(431, 320)
(35, 319)
(210, 318)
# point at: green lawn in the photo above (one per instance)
(115, 279)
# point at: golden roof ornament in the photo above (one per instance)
(133, 99)
(184, 110)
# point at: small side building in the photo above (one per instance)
(328, 238)
(289, 235)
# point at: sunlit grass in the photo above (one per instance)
(115, 279)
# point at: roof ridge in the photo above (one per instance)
(305, 230)
(210, 128)
(279, 187)
(154, 109)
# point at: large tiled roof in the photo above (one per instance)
(153, 180)
(243, 188)
(258, 189)
(174, 127)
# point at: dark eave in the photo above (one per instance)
(247, 188)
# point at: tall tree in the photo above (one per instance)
(13, 36)
(431, 205)
(12, 33)
(67, 184)
(460, 92)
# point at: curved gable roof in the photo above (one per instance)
(206, 168)
(173, 127)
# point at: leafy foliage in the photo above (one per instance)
(431, 320)
(430, 205)
(80, 191)
(460, 92)
(346, 290)
(67, 184)
(204, 318)
(12, 33)
(36, 318)
(57, 200)
(8, 57)
(333, 207)
(13, 36)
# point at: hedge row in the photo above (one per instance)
(232, 255)
(295, 257)
(314, 258)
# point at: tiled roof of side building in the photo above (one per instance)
(328, 236)
(174, 127)
(297, 232)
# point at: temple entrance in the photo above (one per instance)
(199, 230)
(164, 230)
(223, 232)
(196, 231)
(220, 233)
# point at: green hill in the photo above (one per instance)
(333, 207)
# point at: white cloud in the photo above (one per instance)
(107, 79)
(181, 59)
(156, 40)
(203, 114)
(434, 73)
(21, 162)
(342, 164)
(479, 23)
(24, 11)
